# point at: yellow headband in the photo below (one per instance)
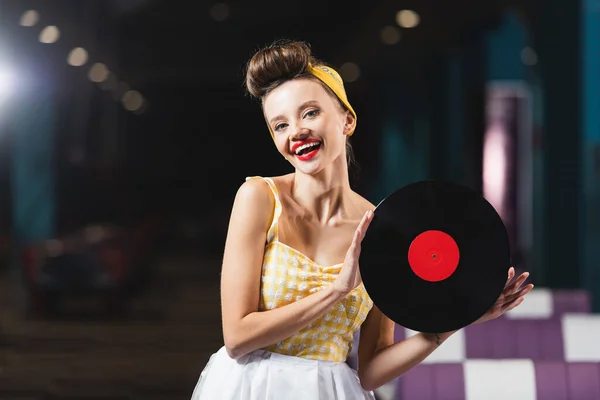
(333, 80)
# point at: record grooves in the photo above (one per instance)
(436, 256)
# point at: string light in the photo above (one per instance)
(132, 100)
(219, 12)
(29, 18)
(49, 34)
(350, 72)
(407, 18)
(390, 35)
(99, 73)
(77, 57)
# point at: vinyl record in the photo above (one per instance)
(436, 256)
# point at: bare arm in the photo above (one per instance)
(245, 329)
(380, 359)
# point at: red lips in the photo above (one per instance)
(311, 154)
(303, 142)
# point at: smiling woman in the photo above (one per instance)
(292, 297)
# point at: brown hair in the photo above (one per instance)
(282, 61)
(277, 63)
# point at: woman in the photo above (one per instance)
(292, 296)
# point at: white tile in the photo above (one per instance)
(538, 304)
(499, 380)
(581, 337)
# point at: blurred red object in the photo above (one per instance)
(101, 262)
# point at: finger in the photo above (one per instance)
(364, 224)
(361, 224)
(355, 243)
(509, 306)
(522, 292)
(517, 283)
(511, 274)
(359, 234)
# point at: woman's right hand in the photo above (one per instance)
(349, 277)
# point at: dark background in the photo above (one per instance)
(146, 193)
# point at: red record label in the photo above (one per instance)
(433, 256)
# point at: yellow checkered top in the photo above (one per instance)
(288, 276)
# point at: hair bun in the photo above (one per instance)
(281, 61)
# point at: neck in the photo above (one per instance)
(325, 194)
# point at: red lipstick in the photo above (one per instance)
(310, 154)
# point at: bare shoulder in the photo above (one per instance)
(363, 203)
(253, 204)
(283, 182)
(255, 191)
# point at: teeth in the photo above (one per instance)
(306, 146)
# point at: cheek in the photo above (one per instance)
(341, 144)
(337, 126)
(281, 143)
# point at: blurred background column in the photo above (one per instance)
(590, 157)
(33, 168)
(31, 125)
(558, 43)
(453, 139)
(34, 114)
(404, 139)
(432, 129)
(508, 134)
(7, 90)
(455, 93)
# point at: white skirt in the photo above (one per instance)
(263, 375)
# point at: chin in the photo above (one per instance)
(308, 168)
(309, 171)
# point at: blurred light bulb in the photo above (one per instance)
(132, 100)
(219, 12)
(98, 73)
(77, 57)
(29, 18)
(350, 72)
(49, 34)
(390, 35)
(407, 18)
(529, 56)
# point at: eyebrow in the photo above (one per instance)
(300, 107)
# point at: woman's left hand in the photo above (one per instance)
(512, 295)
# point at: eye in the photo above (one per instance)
(279, 127)
(312, 113)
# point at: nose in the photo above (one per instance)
(300, 133)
